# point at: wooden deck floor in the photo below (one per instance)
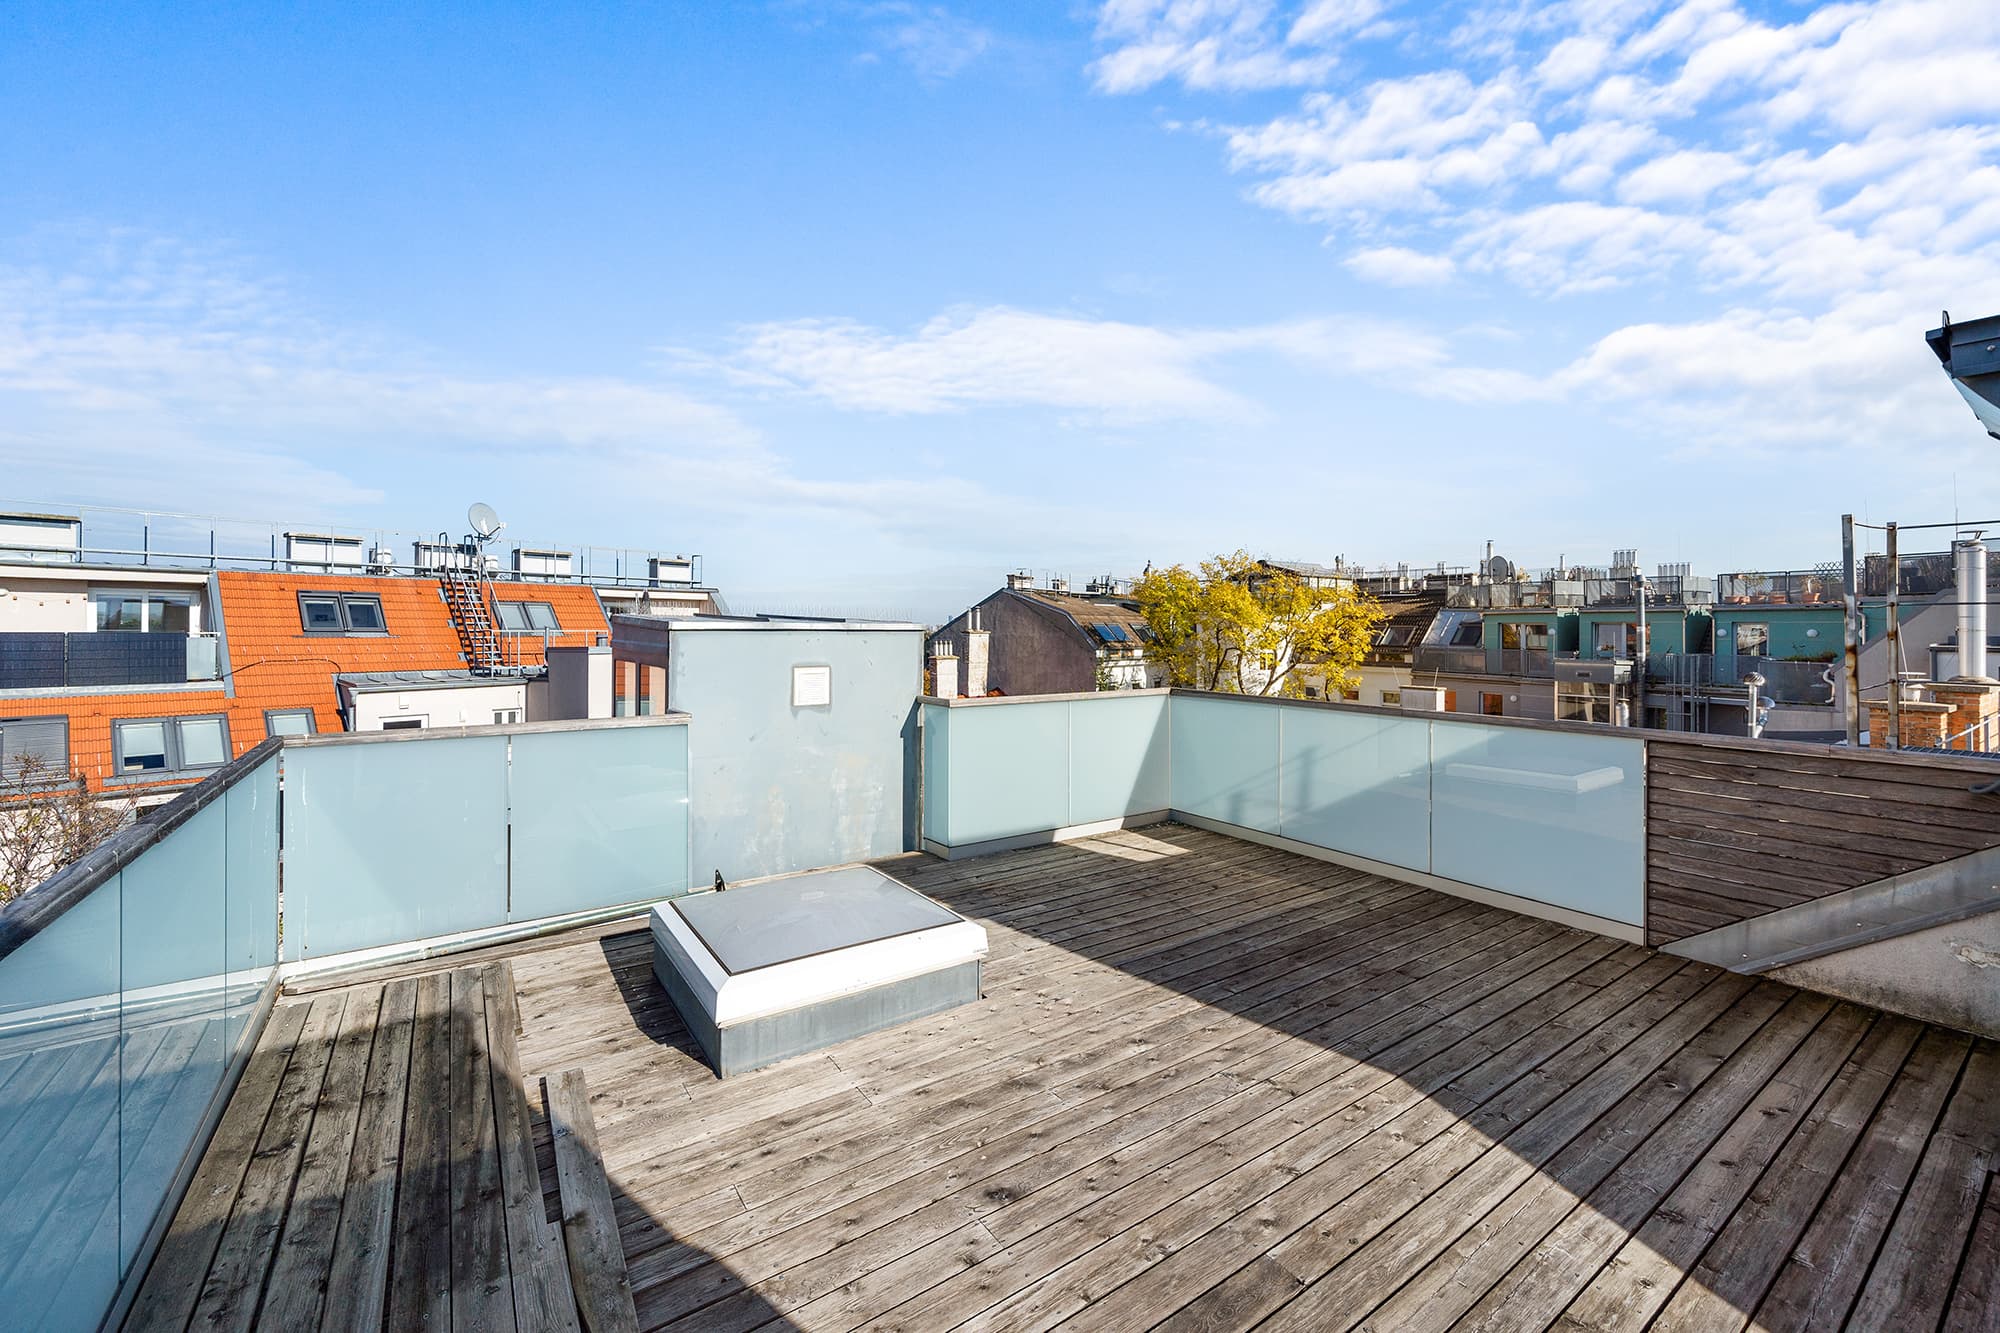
(1217, 1086)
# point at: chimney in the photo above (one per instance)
(1971, 559)
(579, 682)
(1020, 578)
(977, 647)
(944, 673)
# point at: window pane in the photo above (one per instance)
(120, 613)
(510, 615)
(169, 616)
(541, 616)
(202, 745)
(364, 613)
(290, 724)
(1754, 640)
(142, 745)
(321, 613)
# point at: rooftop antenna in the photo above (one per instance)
(485, 521)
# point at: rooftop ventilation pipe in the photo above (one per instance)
(1971, 608)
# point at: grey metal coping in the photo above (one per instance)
(397, 682)
(1977, 766)
(1933, 895)
(416, 735)
(38, 908)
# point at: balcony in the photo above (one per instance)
(106, 659)
(1295, 1016)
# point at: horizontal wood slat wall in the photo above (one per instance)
(1734, 830)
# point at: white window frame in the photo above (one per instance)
(148, 599)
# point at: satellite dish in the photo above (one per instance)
(484, 521)
(1499, 569)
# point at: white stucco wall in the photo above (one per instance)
(36, 603)
(469, 706)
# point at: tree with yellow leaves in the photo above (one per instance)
(1240, 626)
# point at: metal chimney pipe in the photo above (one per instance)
(1971, 608)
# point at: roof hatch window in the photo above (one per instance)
(526, 617)
(341, 613)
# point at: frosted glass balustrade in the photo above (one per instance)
(600, 819)
(118, 1023)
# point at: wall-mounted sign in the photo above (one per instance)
(812, 686)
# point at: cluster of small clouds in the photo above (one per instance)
(1820, 186)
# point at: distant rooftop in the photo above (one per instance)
(119, 538)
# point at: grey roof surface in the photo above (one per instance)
(373, 682)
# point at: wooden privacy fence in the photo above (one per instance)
(1735, 829)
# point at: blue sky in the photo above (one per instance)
(868, 302)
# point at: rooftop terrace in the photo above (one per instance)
(1294, 1015)
(1211, 1085)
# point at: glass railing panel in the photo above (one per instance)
(600, 819)
(59, 1072)
(1225, 760)
(1358, 783)
(173, 1049)
(937, 773)
(204, 657)
(250, 892)
(1117, 757)
(393, 841)
(1009, 770)
(1550, 816)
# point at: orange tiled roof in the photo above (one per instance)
(91, 715)
(274, 663)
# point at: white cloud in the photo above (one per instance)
(1572, 62)
(1395, 266)
(1684, 177)
(1001, 357)
(934, 42)
(1214, 44)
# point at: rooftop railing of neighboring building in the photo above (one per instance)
(1780, 587)
(104, 535)
(1690, 590)
(1925, 574)
(1785, 682)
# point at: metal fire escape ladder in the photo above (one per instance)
(465, 598)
